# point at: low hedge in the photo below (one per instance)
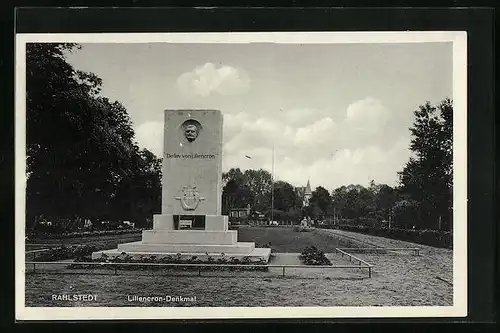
(436, 238)
(47, 235)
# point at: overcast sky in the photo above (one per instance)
(338, 113)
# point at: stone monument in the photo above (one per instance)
(191, 223)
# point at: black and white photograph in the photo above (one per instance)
(241, 175)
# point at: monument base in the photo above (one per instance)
(214, 242)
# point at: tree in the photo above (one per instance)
(320, 201)
(79, 144)
(339, 200)
(259, 183)
(236, 193)
(385, 199)
(405, 213)
(138, 195)
(285, 197)
(427, 177)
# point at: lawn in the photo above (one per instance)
(286, 240)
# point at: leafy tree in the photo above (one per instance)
(320, 201)
(259, 183)
(404, 213)
(356, 201)
(385, 199)
(138, 196)
(427, 177)
(339, 200)
(285, 196)
(80, 147)
(236, 193)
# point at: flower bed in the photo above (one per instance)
(66, 252)
(127, 258)
(312, 256)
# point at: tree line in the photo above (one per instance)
(83, 162)
(421, 200)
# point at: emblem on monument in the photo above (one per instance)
(190, 198)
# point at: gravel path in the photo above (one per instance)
(433, 261)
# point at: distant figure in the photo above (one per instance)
(87, 224)
(309, 221)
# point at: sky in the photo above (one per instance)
(338, 114)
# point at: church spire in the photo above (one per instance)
(308, 188)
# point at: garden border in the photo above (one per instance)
(116, 265)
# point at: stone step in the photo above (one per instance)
(202, 237)
(239, 247)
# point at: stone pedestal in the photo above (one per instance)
(214, 241)
(191, 223)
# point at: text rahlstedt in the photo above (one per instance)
(74, 297)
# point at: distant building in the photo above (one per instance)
(304, 193)
(240, 212)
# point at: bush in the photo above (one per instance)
(312, 256)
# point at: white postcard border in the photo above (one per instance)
(459, 308)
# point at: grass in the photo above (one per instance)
(286, 240)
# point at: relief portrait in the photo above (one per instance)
(191, 129)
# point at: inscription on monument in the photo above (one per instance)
(185, 224)
(195, 155)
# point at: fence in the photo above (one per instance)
(199, 266)
(34, 252)
(415, 250)
(360, 261)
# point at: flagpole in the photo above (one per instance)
(272, 187)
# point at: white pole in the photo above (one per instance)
(272, 187)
